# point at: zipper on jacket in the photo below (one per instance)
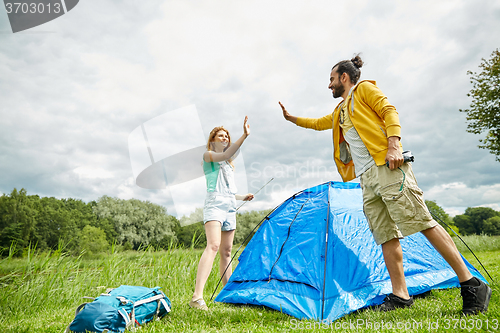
(351, 93)
(352, 103)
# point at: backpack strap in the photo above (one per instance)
(147, 300)
(132, 320)
(158, 309)
(165, 305)
(160, 299)
(123, 300)
(125, 316)
(78, 309)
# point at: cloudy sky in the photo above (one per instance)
(75, 90)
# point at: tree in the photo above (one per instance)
(136, 222)
(93, 240)
(17, 219)
(247, 221)
(492, 226)
(484, 112)
(190, 230)
(464, 225)
(28, 220)
(473, 220)
(42, 222)
(57, 223)
(439, 212)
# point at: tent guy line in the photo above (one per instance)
(480, 263)
(270, 180)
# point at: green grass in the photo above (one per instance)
(39, 293)
(478, 243)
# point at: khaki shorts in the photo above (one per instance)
(393, 210)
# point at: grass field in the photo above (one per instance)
(39, 293)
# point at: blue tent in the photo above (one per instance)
(315, 258)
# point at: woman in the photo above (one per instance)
(219, 213)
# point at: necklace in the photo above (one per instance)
(342, 115)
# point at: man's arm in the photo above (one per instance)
(378, 102)
(287, 115)
(394, 155)
(387, 112)
(318, 124)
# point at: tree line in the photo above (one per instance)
(48, 223)
(478, 220)
(474, 221)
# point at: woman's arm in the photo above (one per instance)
(244, 197)
(211, 156)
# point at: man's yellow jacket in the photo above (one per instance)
(373, 117)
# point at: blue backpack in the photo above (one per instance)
(120, 309)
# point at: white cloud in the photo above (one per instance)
(458, 194)
(71, 98)
(90, 172)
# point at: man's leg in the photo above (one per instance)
(443, 243)
(393, 257)
(386, 233)
(475, 293)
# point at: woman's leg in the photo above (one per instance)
(226, 246)
(213, 232)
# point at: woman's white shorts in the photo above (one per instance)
(220, 208)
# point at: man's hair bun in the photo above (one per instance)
(358, 63)
(351, 67)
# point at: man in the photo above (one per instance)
(366, 139)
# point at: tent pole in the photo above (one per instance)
(326, 252)
(242, 243)
(270, 180)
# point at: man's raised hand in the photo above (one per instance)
(287, 115)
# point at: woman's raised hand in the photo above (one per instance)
(246, 127)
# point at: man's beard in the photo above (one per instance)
(338, 90)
